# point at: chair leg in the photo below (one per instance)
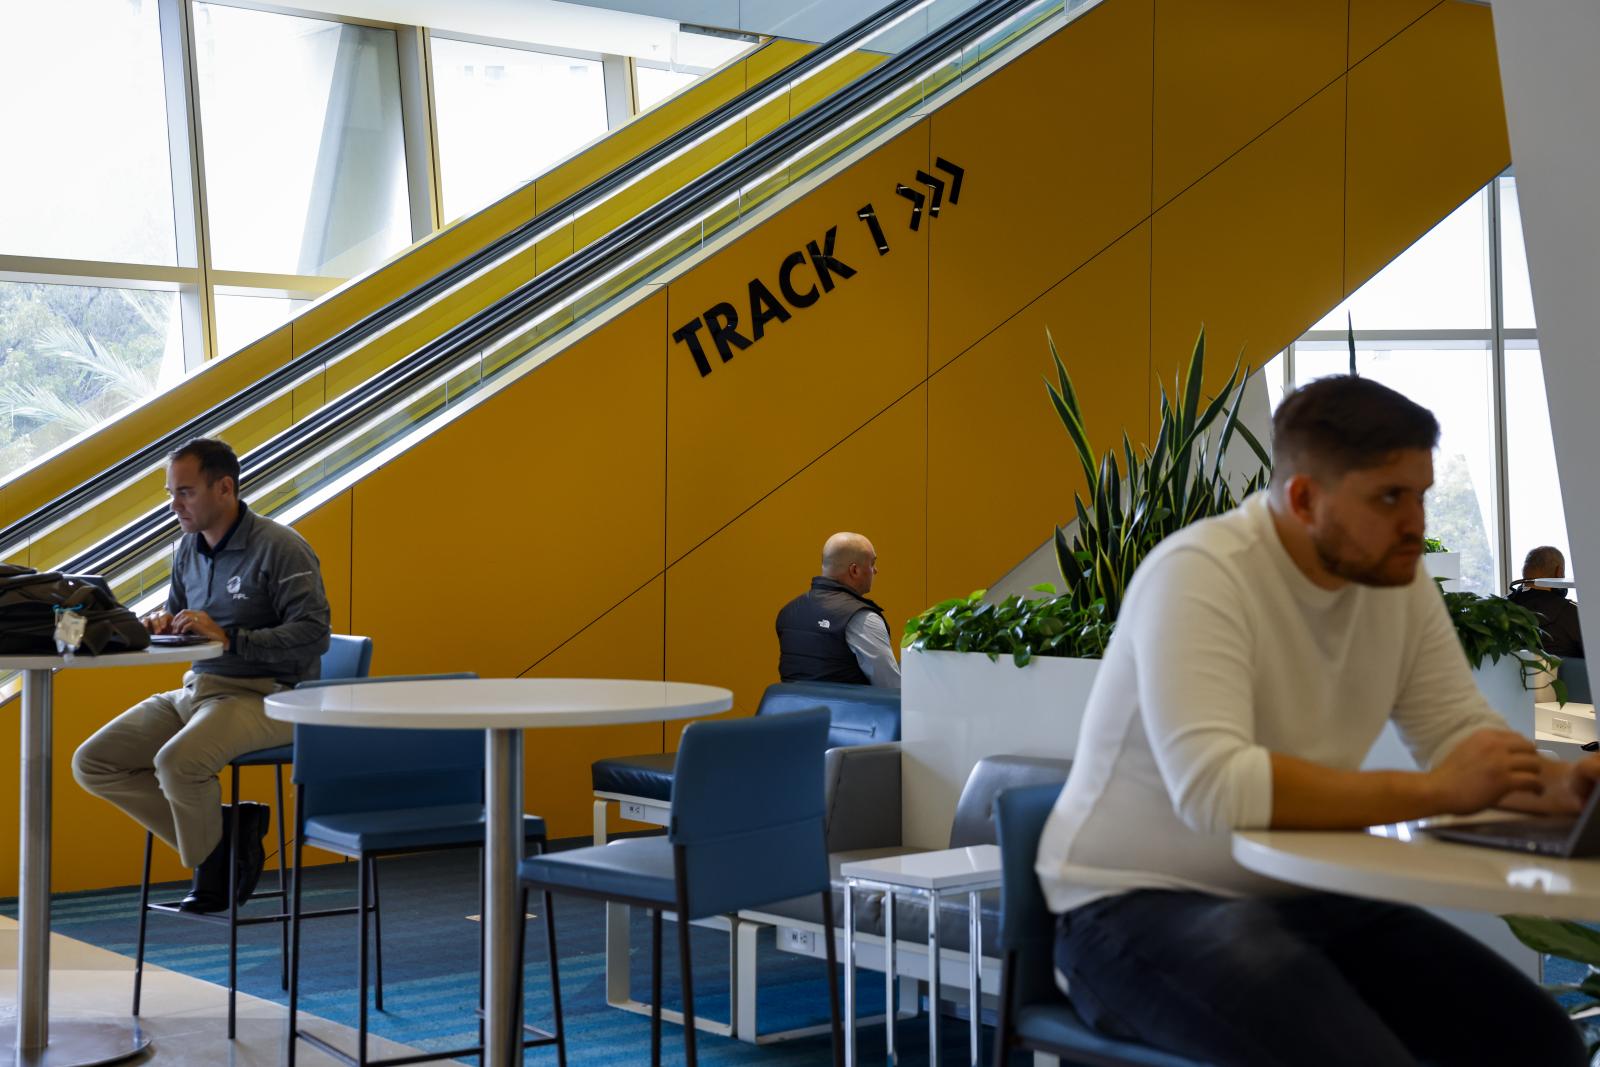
(833, 981)
(655, 987)
(377, 933)
(233, 904)
(294, 927)
(144, 915)
(363, 884)
(283, 880)
(555, 977)
(689, 1052)
(1002, 1030)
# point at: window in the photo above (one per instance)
(245, 317)
(655, 84)
(87, 172)
(304, 155)
(507, 115)
(1537, 516)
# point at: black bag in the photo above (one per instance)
(28, 602)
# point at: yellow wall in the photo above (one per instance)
(615, 512)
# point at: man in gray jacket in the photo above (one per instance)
(255, 586)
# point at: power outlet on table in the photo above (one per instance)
(1560, 725)
(799, 940)
(633, 811)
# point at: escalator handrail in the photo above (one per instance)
(394, 384)
(136, 464)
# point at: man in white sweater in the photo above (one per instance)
(1256, 658)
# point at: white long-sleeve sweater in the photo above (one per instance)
(1224, 651)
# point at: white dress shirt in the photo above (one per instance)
(868, 637)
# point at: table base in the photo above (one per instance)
(75, 1043)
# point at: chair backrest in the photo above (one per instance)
(347, 658)
(1574, 670)
(857, 714)
(357, 768)
(747, 810)
(974, 820)
(1026, 925)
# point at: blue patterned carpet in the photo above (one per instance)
(430, 967)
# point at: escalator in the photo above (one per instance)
(621, 467)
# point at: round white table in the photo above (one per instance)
(1402, 863)
(502, 708)
(32, 1041)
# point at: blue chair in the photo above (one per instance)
(746, 829)
(1034, 1014)
(347, 658)
(410, 791)
(1574, 670)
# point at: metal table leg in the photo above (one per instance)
(502, 917)
(974, 974)
(933, 979)
(29, 1041)
(890, 1006)
(849, 972)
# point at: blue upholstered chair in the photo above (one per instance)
(1574, 670)
(347, 658)
(367, 793)
(746, 829)
(1033, 1013)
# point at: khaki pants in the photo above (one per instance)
(158, 761)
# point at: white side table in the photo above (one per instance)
(29, 1042)
(932, 876)
(502, 708)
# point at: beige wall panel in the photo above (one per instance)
(1058, 155)
(758, 418)
(1226, 71)
(1427, 130)
(1001, 470)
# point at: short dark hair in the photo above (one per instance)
(1546, 561)
(216, 459)
(1342, 423)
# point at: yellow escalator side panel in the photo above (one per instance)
(1426, 126)
(849, 67)
(100, 521)
(995, 446)
(723, 598)
(852, 347)
(1372, 22)
(554, 482)
(1279, 55)
(607, 216)
(1040, 198)
(774, 54)
(625, 642)
(1252, 250)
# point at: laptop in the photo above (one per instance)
(1566, 836)
(178, 639)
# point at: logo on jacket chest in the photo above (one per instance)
(233, 587)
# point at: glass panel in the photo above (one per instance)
(242, 319)
(1273, 375)
(88, 175)
(1439, 283)
(506, 115)
(654, 84)
(305, 162)
(1537, 515)
(1517, 308)
(74, 356)
(1453, 380)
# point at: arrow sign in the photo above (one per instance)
(956, 174)
(916, 199)
(937, 185)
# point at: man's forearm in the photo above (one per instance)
(1309, 796)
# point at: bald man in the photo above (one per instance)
(833, 633)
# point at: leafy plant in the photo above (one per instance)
(1135, 501)
(1430, 545)
(1021, 627)
(1491, 627)
(1571, 941)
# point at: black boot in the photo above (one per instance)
(254, 820)
(210, 889)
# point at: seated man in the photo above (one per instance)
(1256, 658)
(1558, 616)
(833, 633)
(255, 586)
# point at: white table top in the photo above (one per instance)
(145, 658)
(1401, 863)
(497, 703)
(977, 867)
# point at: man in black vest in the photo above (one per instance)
(834, 633)
(1558, 616)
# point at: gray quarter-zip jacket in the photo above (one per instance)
(264, 588)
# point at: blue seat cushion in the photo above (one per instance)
(635, 868)
(1058, 1028)
(648, 776)
(265, 757)
(353, 833)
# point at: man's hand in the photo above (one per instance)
(1566, 788)
(1486, 768)
(198, 622)
(158, 622)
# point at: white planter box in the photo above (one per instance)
(1446, 565)
(958, 707)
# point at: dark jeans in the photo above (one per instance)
(1304, 981)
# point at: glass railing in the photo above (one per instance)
(313, 458)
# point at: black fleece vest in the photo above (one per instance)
(811, 644)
